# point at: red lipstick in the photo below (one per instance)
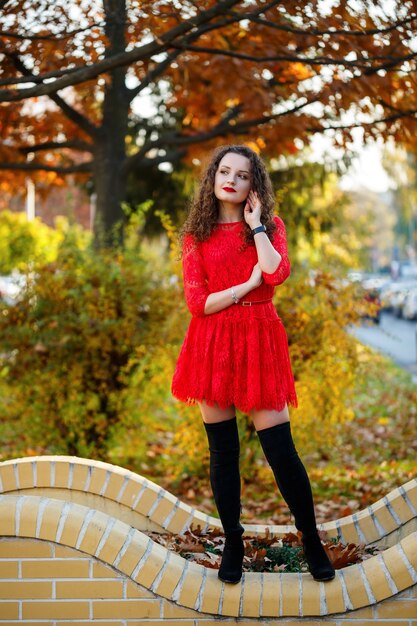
(230, 189)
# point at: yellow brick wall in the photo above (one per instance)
(64, 562)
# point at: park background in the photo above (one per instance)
(108, 113)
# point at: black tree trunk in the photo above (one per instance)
(109, 146)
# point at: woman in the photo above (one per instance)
(235, 352)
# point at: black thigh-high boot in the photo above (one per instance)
(223, 439)
(294, 484)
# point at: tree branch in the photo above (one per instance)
(34, 166)
(75, 144)
(73, 115)
(361, 64)
(59, 36)
(122, 59)
(315, 32)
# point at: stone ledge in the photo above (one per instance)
(168, 576)
(143, 504)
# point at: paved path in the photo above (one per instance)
(397, 338)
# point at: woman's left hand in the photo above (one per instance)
(252, 210)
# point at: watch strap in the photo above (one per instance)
(259, 229)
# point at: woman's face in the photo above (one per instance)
(232, 181)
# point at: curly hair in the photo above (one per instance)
(204, 209)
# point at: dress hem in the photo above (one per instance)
(290, 399)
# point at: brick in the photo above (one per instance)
(152, 566)
(252, 595)
(62, 552)
(29, 517)
(9, 610)
(94, 533)
(400, 506)
(50, 520)
(171, 576)
(191, 586)
(133, 554)
(98, 477)
(100, 570)
(31, 623)
(61, 474)
(43, 473)
(163, 509)
(25, 473)
(290, 594)
(7, 477)
(367, 526)
(8, 517)
(131, 493)
(410, 489)
(355, 587)
(271, 595)
(231, 599)
(55, 610)
(311, 596)
(147, 499)
(136, 591)
(350, 534)
(171, 610)
(304, 623)
(24, 548)
(334, 596)
(179, 519)
(55, 569)
(397, 568)
(374, 623)
(396, 609)
(377, 580)
(115, 484)
(72, 526)
(125, 608)
(9, 569)
(79, 476)
(360, 614)
(171, 622)
(409, 545)
(89, 589)
(114, 542)
(212, 590)
(384, 517)
(96, 623)
(13, 590)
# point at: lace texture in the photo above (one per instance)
(238, 355)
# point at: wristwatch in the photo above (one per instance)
(259, 229)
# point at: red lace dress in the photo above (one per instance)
(238, 355)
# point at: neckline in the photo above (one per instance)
(228, 223)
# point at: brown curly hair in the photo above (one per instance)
(204, 210)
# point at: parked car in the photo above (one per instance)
(409, 309)
(392, 294)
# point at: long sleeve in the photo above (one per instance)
(280, 244)
(195, 279)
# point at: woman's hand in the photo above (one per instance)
(256, 277)
(252, 210)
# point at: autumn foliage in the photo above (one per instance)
(108, 91)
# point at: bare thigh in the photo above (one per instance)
(214, 414)
(265, 418)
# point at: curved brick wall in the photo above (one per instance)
(63, 560)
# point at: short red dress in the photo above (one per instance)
(238, 355)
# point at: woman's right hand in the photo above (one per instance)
(256, 277)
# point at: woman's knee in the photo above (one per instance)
(265, 418)
(214, 414)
